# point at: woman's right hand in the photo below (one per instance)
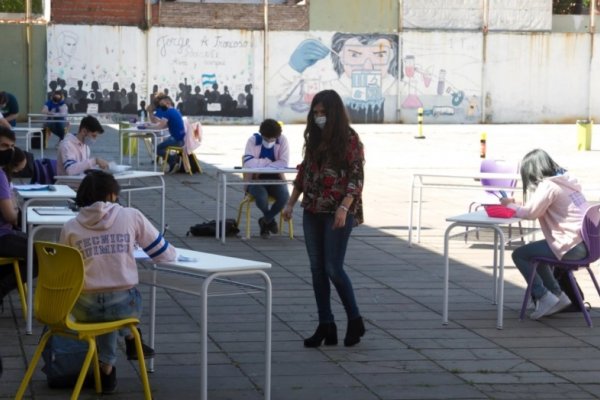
(287, 212)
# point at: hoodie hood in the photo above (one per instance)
(567, 182)
(100, 216)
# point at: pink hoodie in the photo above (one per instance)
(559, 206)
(106, 234)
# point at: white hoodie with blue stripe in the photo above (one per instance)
(106, 234)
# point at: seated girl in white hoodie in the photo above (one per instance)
(556, 201)
(106, 234)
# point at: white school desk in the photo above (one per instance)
(26, 133)
(223, 175)
(125, 180)
(466, 181)
(41, 118)
(145, 133)
(36, 223)
(479, 219)
(211, 267)
(30, 197)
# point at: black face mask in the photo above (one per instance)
(5, 156)
(164, 108)
(56, 100)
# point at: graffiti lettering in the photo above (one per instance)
(230, 44)
(181, 45)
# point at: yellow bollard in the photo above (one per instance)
(420, 123)
(483, 145)
(584, 134)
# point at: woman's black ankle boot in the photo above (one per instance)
(356, 329)
(327, 332)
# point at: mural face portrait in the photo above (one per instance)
(357, 57)
(68, 45)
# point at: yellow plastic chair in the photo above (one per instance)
(247, 202)
(181, 151)
(14, 261)
(59, 285)
(192, 140)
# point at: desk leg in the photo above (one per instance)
(501, 239)
(162, 204)
(223, 220)
(495, 270)
(204, 337)
(268, 328)
(218, 217)
(29, 319)
(154, 161)
(120, 146)
(446, 273)
(410, 215)
(204, 330)
(24, 215)
(152, 317)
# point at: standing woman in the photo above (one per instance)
(559, 206)
(331, 179)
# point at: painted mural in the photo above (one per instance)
(101, 66)
(362, 68)
(206, 72)
(216, 74)
(441, 74)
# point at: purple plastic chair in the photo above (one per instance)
(498, 167)
(590, 232)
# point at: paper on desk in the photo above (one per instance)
(53, 211)
(140, 254)
(34, 186)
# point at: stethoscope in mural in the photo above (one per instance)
(411, 70)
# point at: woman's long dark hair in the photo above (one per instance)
(537, 165)
(96, 186)
(327, 145)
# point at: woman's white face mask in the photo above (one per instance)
(321, 121)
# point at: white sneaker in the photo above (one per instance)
(545, 304)
(563, 302)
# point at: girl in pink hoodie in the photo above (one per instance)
(106, 234)
(557, 203)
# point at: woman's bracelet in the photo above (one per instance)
(343, 207)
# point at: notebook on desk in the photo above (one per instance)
(48, 211)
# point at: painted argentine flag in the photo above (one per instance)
(209, 79)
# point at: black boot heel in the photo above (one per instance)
(356, 329)
(326, 332)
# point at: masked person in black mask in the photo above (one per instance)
(163, 115)
(13, 242)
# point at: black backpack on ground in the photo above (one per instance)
(209, 228)
(63, 358)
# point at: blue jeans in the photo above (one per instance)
(161, 148)
(261, 195)
(57, 128)
(108, 306)
(326, 248)
(544, 280)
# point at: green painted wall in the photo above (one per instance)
(357, 16)
(14, 77)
